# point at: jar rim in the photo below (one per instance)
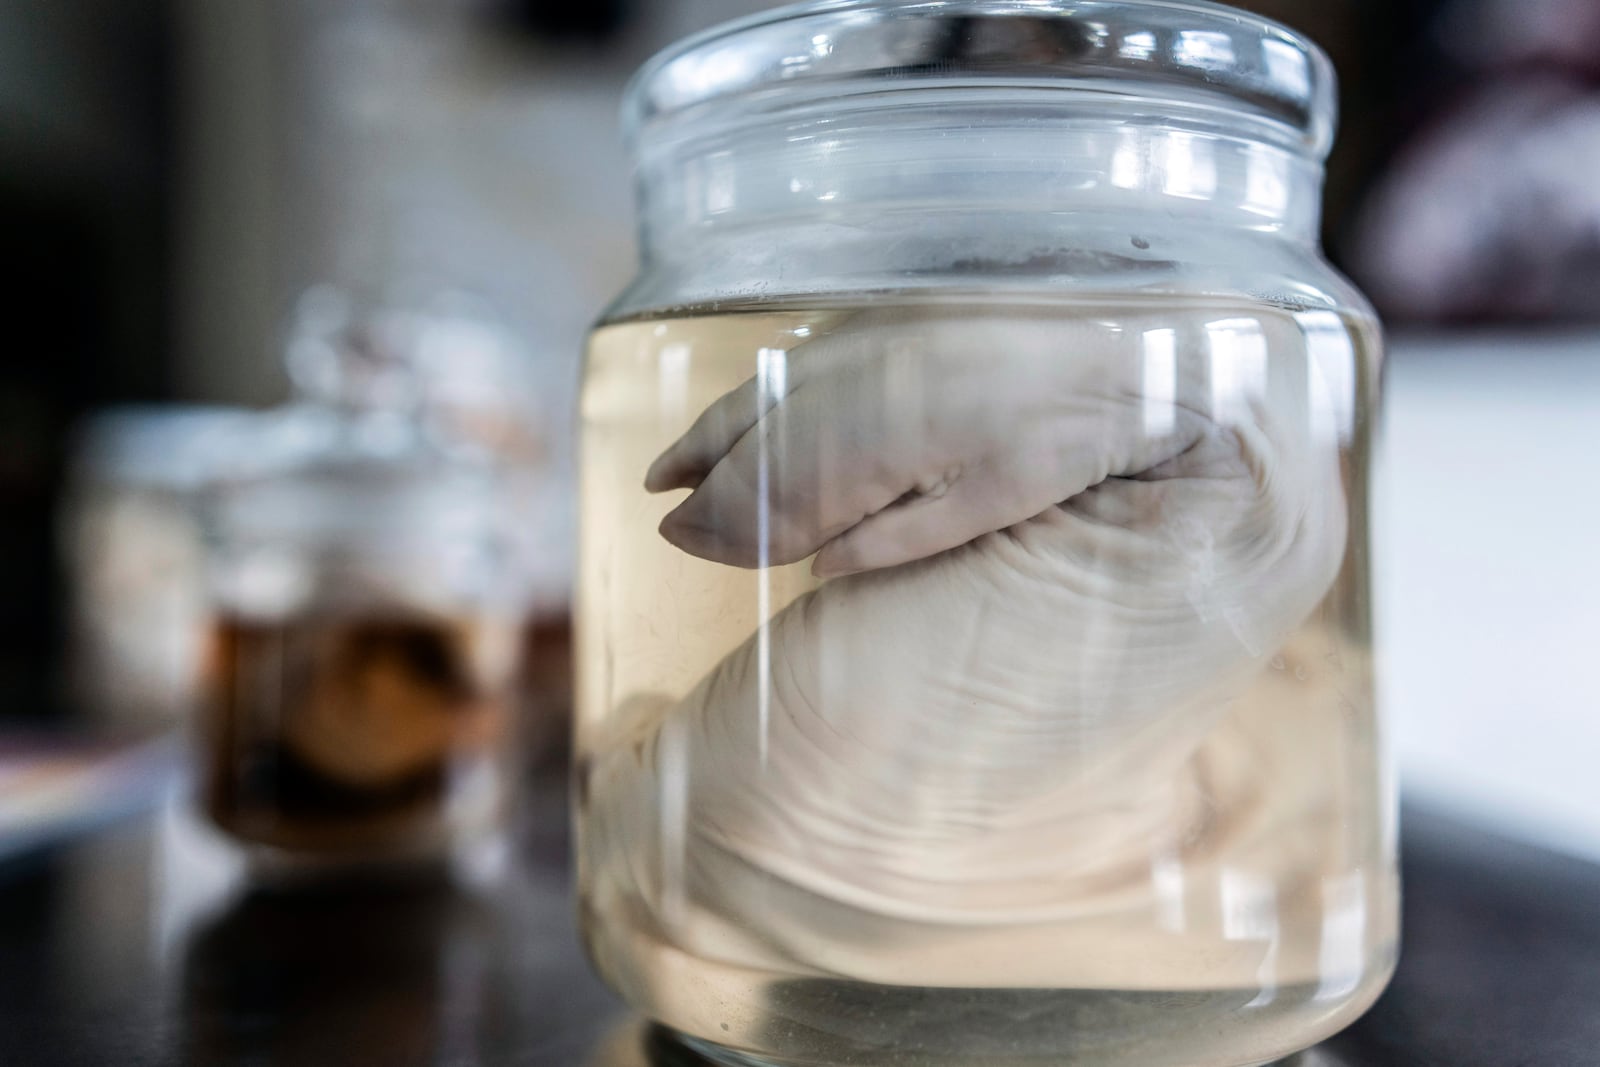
(1188, 52)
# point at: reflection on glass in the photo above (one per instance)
(1204, 48)
(1139, 45)
(1286, 64)
(1266, 191)
(1191, 167)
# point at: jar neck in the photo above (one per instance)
(956, 169)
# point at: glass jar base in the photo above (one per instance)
(668, 1048)
(821, 1023)
(746, 1017)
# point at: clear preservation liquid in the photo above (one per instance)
(1101, 785)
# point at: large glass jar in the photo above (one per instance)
(974, 651)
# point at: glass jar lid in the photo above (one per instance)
(1193, 58)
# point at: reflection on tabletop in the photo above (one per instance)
(470, 966)
(140, 944)
(427, 969)
(257, 979)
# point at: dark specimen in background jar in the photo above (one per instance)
(329, 733)
(368, 592)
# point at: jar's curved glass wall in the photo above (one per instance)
(974, 651)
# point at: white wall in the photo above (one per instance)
(1488, 575)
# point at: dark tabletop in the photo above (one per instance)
(135, 946)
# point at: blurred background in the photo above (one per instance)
(196, 190)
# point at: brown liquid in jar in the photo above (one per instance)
(346, 734)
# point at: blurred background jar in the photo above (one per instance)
(369, 592)
(133, 548)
